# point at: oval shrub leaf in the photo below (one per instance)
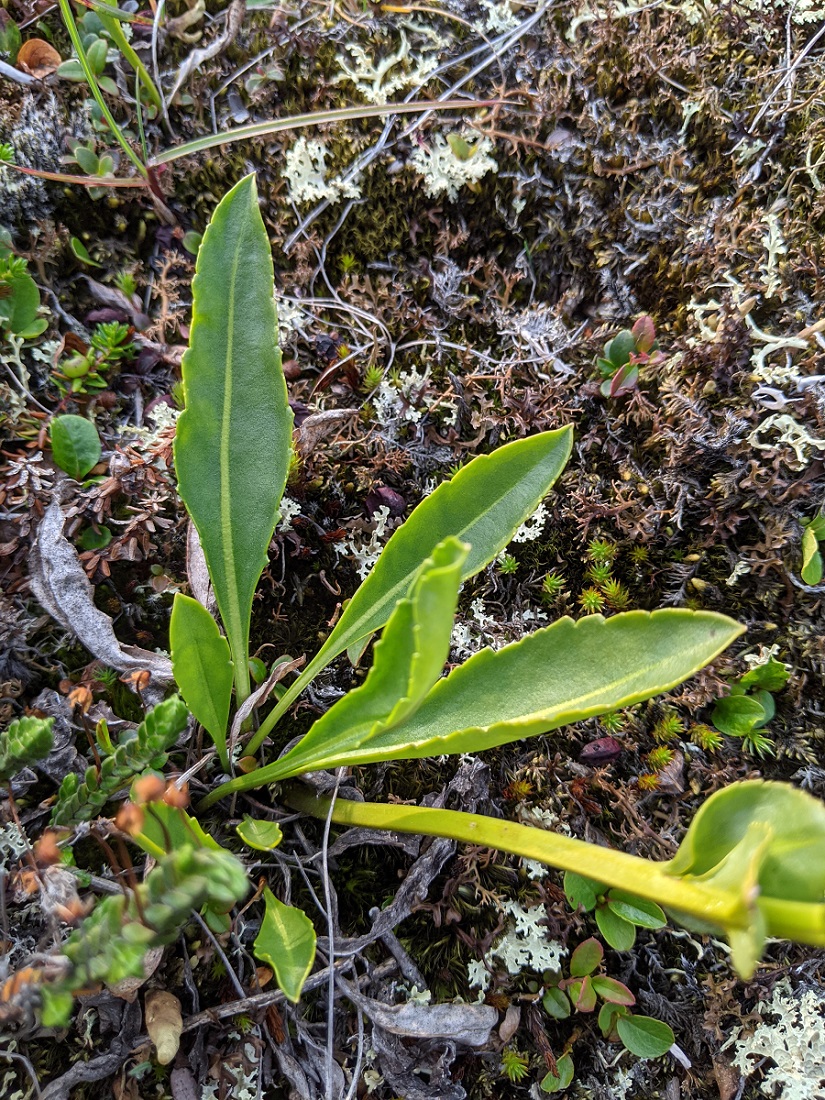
(558, 1082)
(581, 891)
(234, 437)
(586, 958)
(286, 943)
(612, 991)
(644, 1036)
(75, 444)
(645, 914)
(619, 933)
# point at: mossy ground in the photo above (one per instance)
(647, 163)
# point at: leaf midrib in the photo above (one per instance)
(233, 625)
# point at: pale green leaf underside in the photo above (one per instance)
(234, 437)
(202, 667)
(561, 674)
(483, 504)
(408, 660)
(286, 942)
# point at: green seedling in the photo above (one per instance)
(26, 741)
(585, 987)
(812, 535)
(83, 371)
(624, 354)
(750, 706)
(616, 912)
(19, 300)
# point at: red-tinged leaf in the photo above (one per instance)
(586, 958)
(613, 991)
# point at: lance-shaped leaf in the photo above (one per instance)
(233, 439)
(202, 668)
(560, 674)
(286, 942)
(483, 504)
(409, 659)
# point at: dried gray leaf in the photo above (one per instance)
(469, 1025)
(197, 572)
(197, 58)
(259, 695)
(62, 587)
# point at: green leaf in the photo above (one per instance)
(233, 440)
(737, 715)
(556, 1003)
(10, 39)
(581, 891)
(816, 525)
(645, 914)
(563, 1079)
(612, 991)
(644, 1036)
(263, 836)
(202, 668)
(91, 539)
(86, 158)
(772, 676)
(169, 829)
(96, 55)
(55, 1007)
(812, 568)
(71, 70)
(19, 302)
(586, 958)
(408, 660)
(80, 250)
(620, 348)
(608, 1015)
(75, 444)
(793, 867)
(483, 504)
(618, 932)
(582, 994)
(550, 678)
(286, 942)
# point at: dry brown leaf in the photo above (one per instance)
(38, 58)
(164, 1023)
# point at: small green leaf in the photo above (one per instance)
(556, 1003)
(772, 676)
(618, 932)
(644, 1036)
(581, 891)
(96, 55)
(586, 958)
(80, 250)
(192, 242)
(19, 302)
(609, 1013)
(55, 1007)
(202, 668)
(71, 70)
(561, 1081)
(612, 991)
(75, 444)
(737, 715)
(263, 836)
(645, 914)
(87, 159)
(286, 942)
(620, 348)
(10, 39)
(816, 525)
(91, 539)
(168, 829)
(582, 994)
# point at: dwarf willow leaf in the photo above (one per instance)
(202, 668)
(233, 439)
(483, 504)
(644, 1036)
(286, 942)
(75, 444)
